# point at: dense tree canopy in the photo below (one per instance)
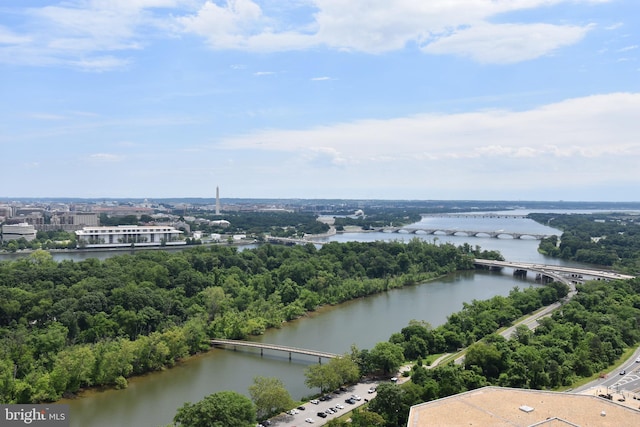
(67, 325)
(602, 239)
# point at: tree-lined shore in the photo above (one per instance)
(69, 325)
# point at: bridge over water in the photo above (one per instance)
(275, 347)
(568, 275)
(474, 215)
(467, 233)
(555, 272)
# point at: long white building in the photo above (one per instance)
(18, 231)
(129, 235)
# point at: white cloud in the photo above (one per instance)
(91, 34)
(456, 27)
(627, 48)
(105, 157)
(319, 79)
(507, 43)
(592, 127)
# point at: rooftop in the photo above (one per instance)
(497, 406)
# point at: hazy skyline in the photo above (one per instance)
(394, 99)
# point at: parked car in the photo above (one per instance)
(314, 401)
(302, 408)
(309, 420)
(321, 415)
(350, 401)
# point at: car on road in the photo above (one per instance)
(638, 359)
(623, 372)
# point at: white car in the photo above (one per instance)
(638, 359)
(309, 420)
(314, 401)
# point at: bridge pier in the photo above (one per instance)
(520, 273)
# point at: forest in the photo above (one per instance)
(611, 240)
(69, 325)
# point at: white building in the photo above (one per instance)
(129, 235)
(18, 231)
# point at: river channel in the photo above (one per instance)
(152, 400)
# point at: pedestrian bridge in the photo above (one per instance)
(275, 347)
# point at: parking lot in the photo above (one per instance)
(336, 400)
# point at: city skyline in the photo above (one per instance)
(321, 99)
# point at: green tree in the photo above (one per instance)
(387, 357)
(270, 396)
(367, 419)
(346, 369)
(321, 376)
(222, 409)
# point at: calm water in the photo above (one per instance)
(152, 400)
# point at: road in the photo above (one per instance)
(311, 410)
(626, 385)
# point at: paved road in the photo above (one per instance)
(311, 410)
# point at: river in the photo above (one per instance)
(152, 400)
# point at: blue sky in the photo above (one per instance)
(374, 99)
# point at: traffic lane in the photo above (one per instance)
(629, 381)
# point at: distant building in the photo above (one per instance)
(510, 407)
(18, 231)
(137, 211)
(71, 221)
(129, 235)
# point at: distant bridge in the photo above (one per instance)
(474, 215)
(262, 346)
(467, 233)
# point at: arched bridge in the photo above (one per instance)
(467, 233)
(262, 346)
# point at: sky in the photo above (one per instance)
(327, 99)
